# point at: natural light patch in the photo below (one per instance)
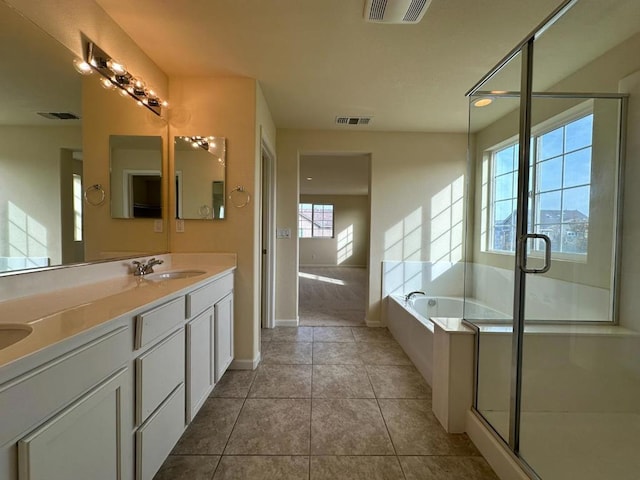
(447, 215)
(320, 278)
(27, 237)
(402, 277)
(345, 244)
(403, 243)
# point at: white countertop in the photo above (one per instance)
(62, 313)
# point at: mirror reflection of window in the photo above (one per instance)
(200, 170)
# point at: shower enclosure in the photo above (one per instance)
(558, 370)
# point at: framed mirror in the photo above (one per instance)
(54, 144)
(200, 169)
(135, 176)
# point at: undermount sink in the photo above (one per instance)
(174, 275)
(12, 333)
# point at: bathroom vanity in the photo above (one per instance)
(112, 371)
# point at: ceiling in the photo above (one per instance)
(334, 174)
(316, 60)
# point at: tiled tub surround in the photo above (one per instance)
(101, 357)
(326, 403)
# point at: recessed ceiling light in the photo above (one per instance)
(482, 102)
(309, 178)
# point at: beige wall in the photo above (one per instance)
(349, 245)
(30, 181)
(226, 107)
(410, 174)
(107, 113)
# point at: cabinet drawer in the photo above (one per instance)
(156, 438)
(206, 296)
(158, 372)
(154, 323)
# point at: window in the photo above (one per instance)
(77, 207)
(315, 220)
(560, 178)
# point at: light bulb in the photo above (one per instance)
(106, 83)
(165, 104)
(82, 67)
(194, 144)
(123, 92)
(116, 67)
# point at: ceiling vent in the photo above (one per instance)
(395, 11)
(353, 120)
(59, 115)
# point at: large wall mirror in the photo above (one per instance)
(200, 166)
(46, 157)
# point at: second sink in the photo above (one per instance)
(12, 333)
(174, 274)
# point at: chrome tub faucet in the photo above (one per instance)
(410, 295)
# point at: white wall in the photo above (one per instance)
(349, 245)
(413, 178)
(30, 216)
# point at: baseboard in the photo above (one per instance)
(245, 363)
(370, 323)
(281, 322)
(500, 459)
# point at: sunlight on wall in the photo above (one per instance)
(447, 215)
(403, 242)
(27, 239)
(320, 278)
(345, 244)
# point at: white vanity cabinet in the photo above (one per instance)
(68, 417)
(209, 339)
(159, 384)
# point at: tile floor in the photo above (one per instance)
(326, 403)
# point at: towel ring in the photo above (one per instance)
(95, 201)
(244, 195)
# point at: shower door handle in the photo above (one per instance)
(523, 253)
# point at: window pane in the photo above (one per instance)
(574, 238)
(504, 160)
(576, 204)
(77, 207)
(577, 168)
(550, 144)
(502, 212)
(549, 202)
(504, 187)
(551, 230)
(578, 134)
(550, 175)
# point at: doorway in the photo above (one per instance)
(333, 239)
(267, 236)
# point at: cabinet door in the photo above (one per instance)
(82, 441)
(223, 335)
(200, 360)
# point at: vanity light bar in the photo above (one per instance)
(116, 75)
(200, 142)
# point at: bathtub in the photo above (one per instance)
(411, 325)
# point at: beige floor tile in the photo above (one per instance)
(382, 353)
(209, 431)
(332, 334)
(356, 468)
(263, 468)
(348, 427)
(288, 353)
(398, 381)
(447, 468)
(187, 467)
(234, 384)
(325, 353)
(292, 334)
(416, 431)
(282, 381)
(372, 334)
(341, 381)
(271, 427)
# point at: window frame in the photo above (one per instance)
(314, 225)
(562, 120)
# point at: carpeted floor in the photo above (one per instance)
(332, 296)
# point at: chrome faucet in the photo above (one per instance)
(141, 268)
(409, 295)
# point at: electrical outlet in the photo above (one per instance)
(283, 233)
(179, 225)
(157, 226)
